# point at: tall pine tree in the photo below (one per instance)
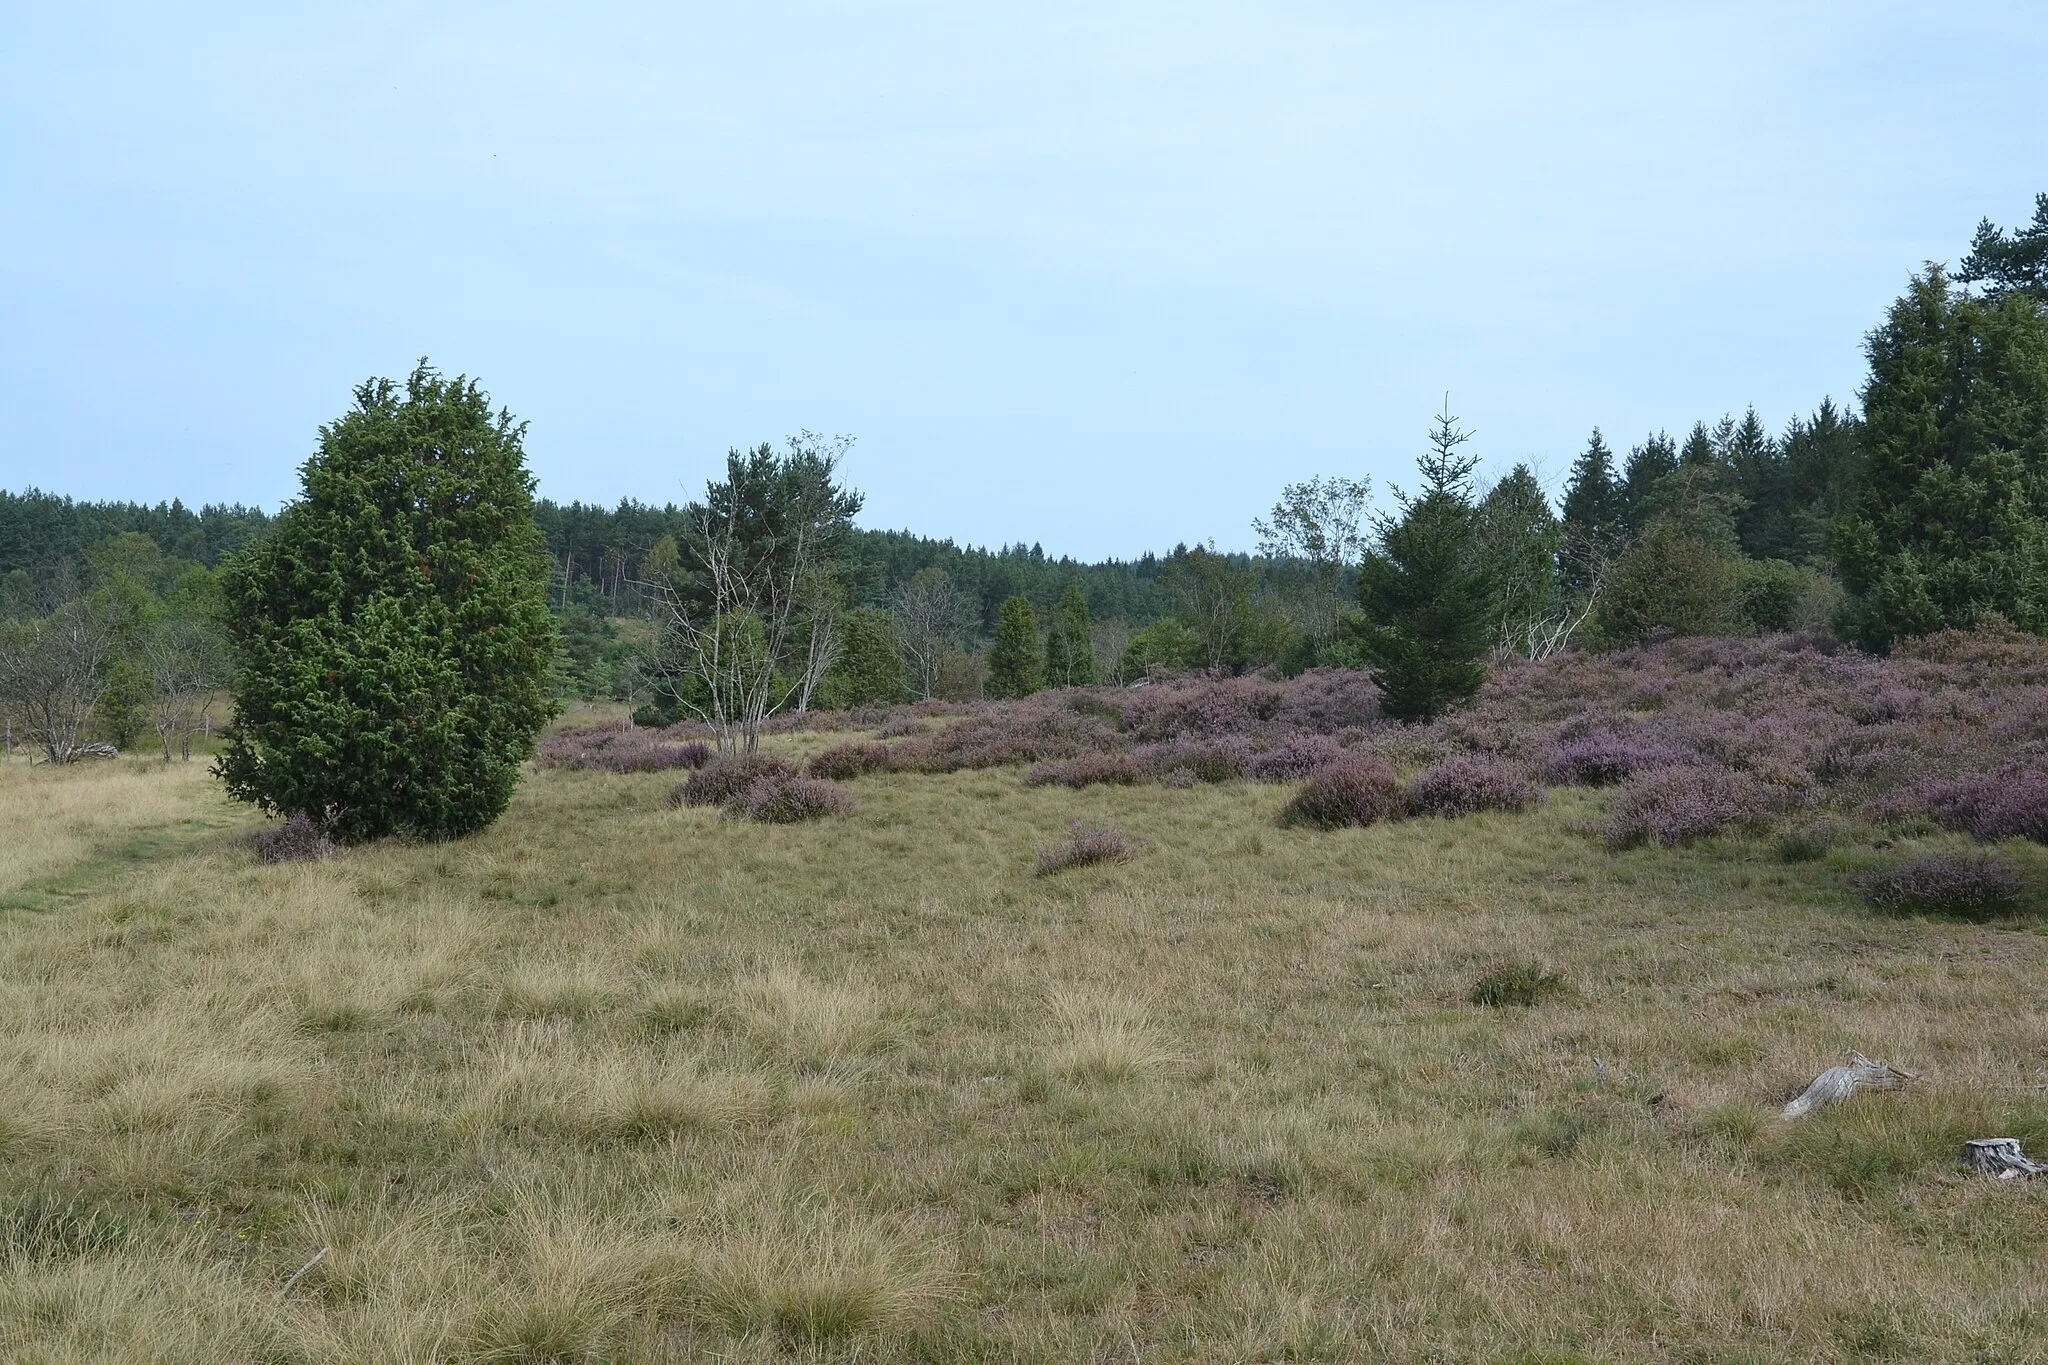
(1951, 515)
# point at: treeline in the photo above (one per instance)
(39, 531)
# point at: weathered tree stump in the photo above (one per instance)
(2001, 1157)
(1840, 1082)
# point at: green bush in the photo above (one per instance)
(392, 633)
(1769, 594)
(1165, 643)
(869, 670)
(1016, 661)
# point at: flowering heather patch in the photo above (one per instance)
(902, 727)
(1222, 759)
(782, 799)
(850, 760)
(1465, 784)
(1968, 888)
(1088, 770)
(1084, 847)
(1321, 701)
(1605, 758)
(1356, 791)
(1674, 805)
(1026, 731)
(300, 839)
(727, 776)
(619, 749)
(1293, 759)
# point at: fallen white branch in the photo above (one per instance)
(1840, 1082)
(2001, 1157)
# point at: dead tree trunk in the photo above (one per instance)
(1840, 1082)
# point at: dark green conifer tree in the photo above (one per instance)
(1648, 463)
(1070, 642)
(1016, 661)
(2015, 262)
(1950, 521)
(1424, 591)
(391, 632)
(869, 670)
(1593, 507)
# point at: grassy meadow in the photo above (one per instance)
(616, 1081)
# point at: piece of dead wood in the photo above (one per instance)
(2000, 1157)
(1840, 1082)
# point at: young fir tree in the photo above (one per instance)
(869, 670)
(1950, 522)
(1424, 591)
(1070, 642)
(1016, 661)
(391, 632)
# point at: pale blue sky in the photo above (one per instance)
(1102, 276)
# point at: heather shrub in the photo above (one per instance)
(1967, 888)
(1293, 759)
(1605, 758)
(1083, 847)
(619, 750)
(727, 776)
(783, 799)
(1088, 770)
(849, 760)
(1217, 760)
(2015, 804)
(1357, 790)
(1017, 732)
(902, 727)
(1465, 784)
(1673, 805)
(300, 839)
(1520, 983)
(1180, 779)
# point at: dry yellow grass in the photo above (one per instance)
(614, 1081)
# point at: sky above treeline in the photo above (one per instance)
(1098, 276)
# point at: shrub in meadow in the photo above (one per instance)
(1180, 779)
(1671, 806)
(1358, 790)
(1519, 983)
(619, 749)
(902, 727)
(728, 775)
(1088, 770)
(1293, 759)
(783, 799)
(1967, 888)
(1465, 784)
(1223, 759)
(852, 759)
(1084, 847)
(2016, 804)
(1604, 758)
(300, 839)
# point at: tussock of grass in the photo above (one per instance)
(1517, 983)
(1104, 1037)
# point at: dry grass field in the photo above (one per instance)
(621, 1082)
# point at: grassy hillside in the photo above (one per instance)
(619, 1081)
